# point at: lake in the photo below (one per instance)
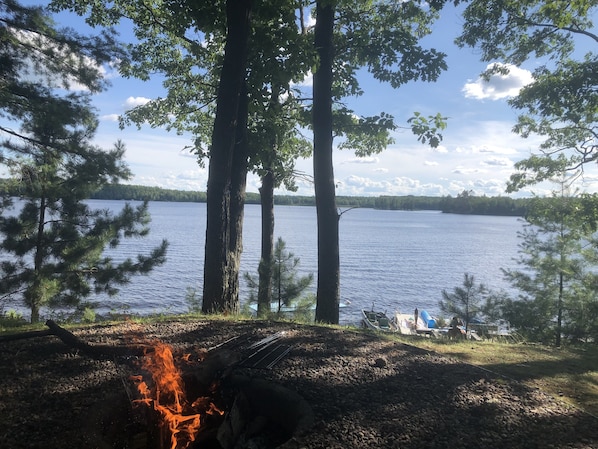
(396, 260)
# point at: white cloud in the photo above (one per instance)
(460, 170)
(399, 186)
(306, 82)
(309, 20)
(110, 117)
(132, 102)
(498, 85)
(430, 163)
(491, 187)
(488, 137)
(498, 162)
(362, 160)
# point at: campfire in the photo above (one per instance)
(212, 398)
(178, 417)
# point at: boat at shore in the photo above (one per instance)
(378, 321)
(407, 325)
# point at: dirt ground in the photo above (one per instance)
(364, 391)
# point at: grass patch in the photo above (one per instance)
(569, 373)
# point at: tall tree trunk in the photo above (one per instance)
(237, 204)
(328, 290)
(216, 288)
(264, 294)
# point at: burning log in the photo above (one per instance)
(179, 417)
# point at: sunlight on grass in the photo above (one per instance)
(569, 373)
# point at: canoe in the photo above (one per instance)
(378, 321)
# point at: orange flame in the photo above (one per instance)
(181, 419)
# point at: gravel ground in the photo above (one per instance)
(365, 392)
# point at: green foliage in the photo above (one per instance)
(364, 135)
(89, 315)
(562, 103)
(466, 301)
(59, 58)
(186, 45)
(384, 39)
(428, 128)
(11, 318)
(193, 300)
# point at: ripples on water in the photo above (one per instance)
(395, 260)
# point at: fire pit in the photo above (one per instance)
(199, 399)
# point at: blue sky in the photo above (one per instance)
(477, 153)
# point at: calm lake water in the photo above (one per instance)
(396, 260)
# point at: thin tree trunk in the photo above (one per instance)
(34, 290)
(559, 320)
(216, 288)
(328, 290)
(264, 294)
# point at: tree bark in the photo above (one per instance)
(237, 205)
(217, 294)
(264, 295)
(328, 290)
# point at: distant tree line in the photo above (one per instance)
(147, 193)
(464, 203)
(467, 203)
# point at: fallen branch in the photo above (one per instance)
(24, 335)
(96, 351)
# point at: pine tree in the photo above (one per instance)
(465, 301)
(286, 286)
(52, 241)
(557, 256)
